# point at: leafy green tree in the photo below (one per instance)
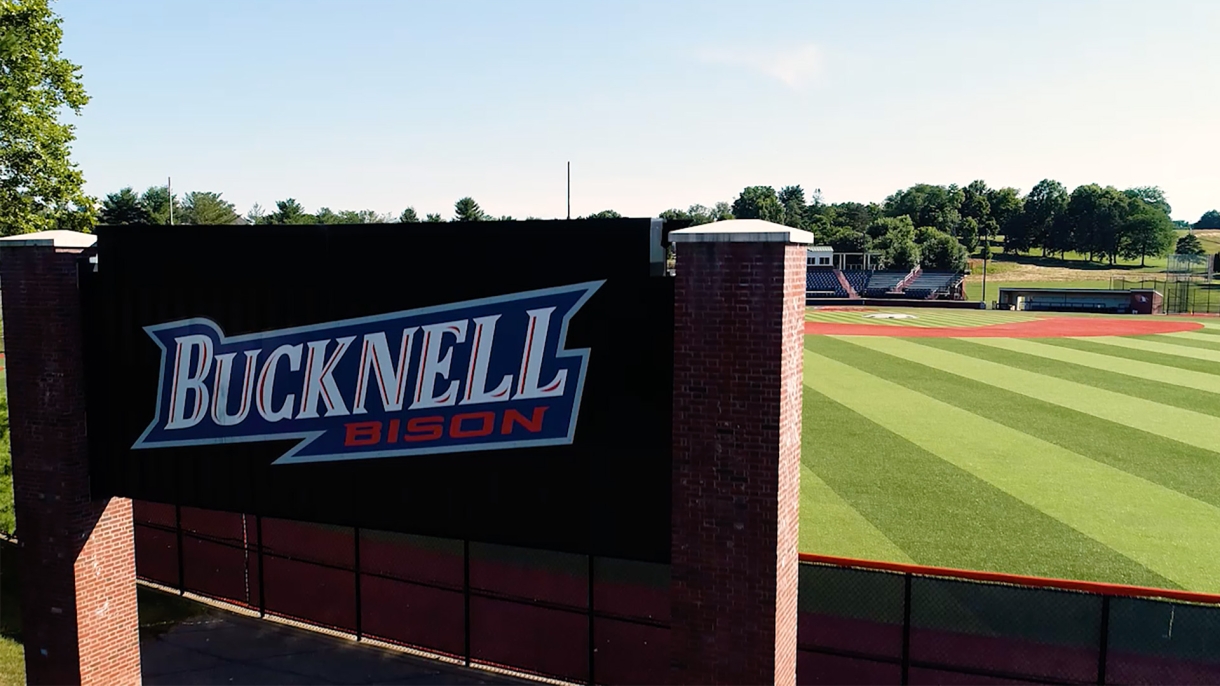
(1209, 220)
(1146, 232)
(1040, 223)
(853, 215)
(900, 255)
(883, 226)
(1181, 225)
(467, 210)
(288, 211)
(408, 216)
(506, 218)
(362, 217)
(1190, 245)
(928, 205)
(207, 209)
(1150, 195)
(968, 232)
(124, 207)
(325, 215)
(943, 253)
(1006, 205)
(1094, 219)
(157, 201)
(40, 187)
(434, 219)
(605, 214)
(721, 211)
(758, 202)
(792, 199)
(844, 239)
(256, 214)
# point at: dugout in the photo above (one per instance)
(1133, 301)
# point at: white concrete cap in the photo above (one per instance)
(741, 231)
(51, 239)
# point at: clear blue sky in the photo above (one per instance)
(357, 104)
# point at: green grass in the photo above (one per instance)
(1080, 458)
(974, 287)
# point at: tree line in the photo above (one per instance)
(936, 226)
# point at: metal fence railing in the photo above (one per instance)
(573, 617)
(882, 623)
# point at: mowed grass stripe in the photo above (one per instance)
(1186, 339)
(1138, 369)
(1205, 335)
(1171, 534)
(1015, 353)
(1139, 355)
(937, 512)
(831, 526)
(1192, 428)
(1132, 343)
(1161, 460)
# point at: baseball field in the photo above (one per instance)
(1082, 447)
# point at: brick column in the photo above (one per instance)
(77, 557)
(738, 332)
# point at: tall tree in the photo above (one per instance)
(882, 226)
(1190, 245)
(1094, 219)
(1146, 232)
(928, 205)
(605, 214)
(467, 210)
(408, 216)
(288, 211)
(256, 214)
(1040, 221)
(207, 209)
(942, 253)
(854, 215)
(434, 218)
(758, 202)
(1151, 195)
(124, 207)
(1005, 204)
(40, 187)
(1209, 220)
(792, 199)
(158, 201)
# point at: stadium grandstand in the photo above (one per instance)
(827, 279)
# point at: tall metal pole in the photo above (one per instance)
(169, 190)
(569, 190)
(986, 255)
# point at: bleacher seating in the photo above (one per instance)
(858, 278)
(822, 282)
(881, 283)
(928, 283)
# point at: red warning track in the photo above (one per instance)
(1049, 327)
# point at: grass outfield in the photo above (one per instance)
(1085, 458)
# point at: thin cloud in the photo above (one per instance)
(795, 67)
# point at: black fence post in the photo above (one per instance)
(1104, 649)
(592, 642)
(906, 629)
(181, 556)
(466, 593)
(356, 566)
(262, 589)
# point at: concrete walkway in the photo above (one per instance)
(223, 648)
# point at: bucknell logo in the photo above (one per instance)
(479, 375)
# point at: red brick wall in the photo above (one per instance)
(739, 314)
(79, 618)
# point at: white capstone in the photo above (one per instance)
(741, 231)
(52, 239)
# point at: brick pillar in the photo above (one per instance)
(738, 332)
(77, 556)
